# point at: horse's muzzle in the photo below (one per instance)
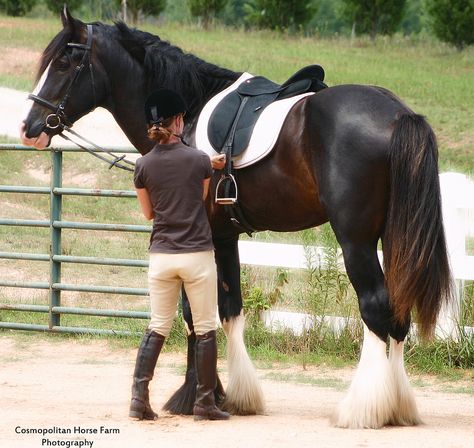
(39, 141)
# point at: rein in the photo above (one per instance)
(59, 119)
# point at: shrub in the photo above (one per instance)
(452, 21)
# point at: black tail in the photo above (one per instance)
(415, 258)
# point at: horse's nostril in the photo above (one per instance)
(33, 130)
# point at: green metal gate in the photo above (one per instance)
(55, 258)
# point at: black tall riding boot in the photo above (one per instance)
(147, 356)
(206, 366)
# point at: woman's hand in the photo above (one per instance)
(218, 162)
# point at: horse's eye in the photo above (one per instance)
(61, 64)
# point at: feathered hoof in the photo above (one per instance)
(244, 395)
(182, 401)
(358, 412)
(406, 413)
(244, 402)
(371, 401)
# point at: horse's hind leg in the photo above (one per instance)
(379, 393)
(406, 412)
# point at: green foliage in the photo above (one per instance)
(92, 10)
(177, 11)
(415, 18)
(453, 21)
(328, 19)
(467, 309)
(144, 7)
(56, 6)
(16, 7)
(279, 14)
(374, 16)
(327, 288)
(206, 9)
(233, 13)
(255, 298)
(439, 356)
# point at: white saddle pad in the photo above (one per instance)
(266, 131)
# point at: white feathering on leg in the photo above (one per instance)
(406, 412)
(371, 399)
(244, 395)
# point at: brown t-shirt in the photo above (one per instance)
(173, 175)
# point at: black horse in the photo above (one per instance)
(353, 155)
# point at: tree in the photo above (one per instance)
(206, 9)
(374, 16)
(56, 6)
(146, 7)
(16, 7)
(415, 18)
(233, 13)
(327, 21)
(453, 21)
(279, 14)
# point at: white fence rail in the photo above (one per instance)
(458, 215)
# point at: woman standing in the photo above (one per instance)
(172, 182)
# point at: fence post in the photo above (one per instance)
(452, 185)
(55, 236)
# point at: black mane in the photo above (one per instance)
(168, 66)
(165, 65)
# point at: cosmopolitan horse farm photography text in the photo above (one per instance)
(336, 201)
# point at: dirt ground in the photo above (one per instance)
(51, 384)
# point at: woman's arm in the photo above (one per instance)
(145, 203)
(205, 191)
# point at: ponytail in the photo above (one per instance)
(161, 132)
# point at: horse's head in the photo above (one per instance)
(71, 85)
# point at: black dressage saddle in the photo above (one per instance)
(232, 121)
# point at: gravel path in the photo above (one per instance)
(72, 383)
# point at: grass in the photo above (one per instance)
(430, 77)
(298, 378)
(317, 288)
(433, 79)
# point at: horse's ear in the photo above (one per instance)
(75, 26)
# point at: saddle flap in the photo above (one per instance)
(258, 85)
(295, 88)
(221, 119)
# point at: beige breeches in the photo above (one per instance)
(197, 272)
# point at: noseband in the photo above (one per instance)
(59, 119)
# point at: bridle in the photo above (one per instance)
(59, 119)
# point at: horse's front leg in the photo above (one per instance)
(243, 394)
(182, 401)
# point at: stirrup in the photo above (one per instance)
(227, 181)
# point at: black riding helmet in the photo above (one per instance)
(163, 104)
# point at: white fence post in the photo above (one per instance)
(457, 195)
(453, 220)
